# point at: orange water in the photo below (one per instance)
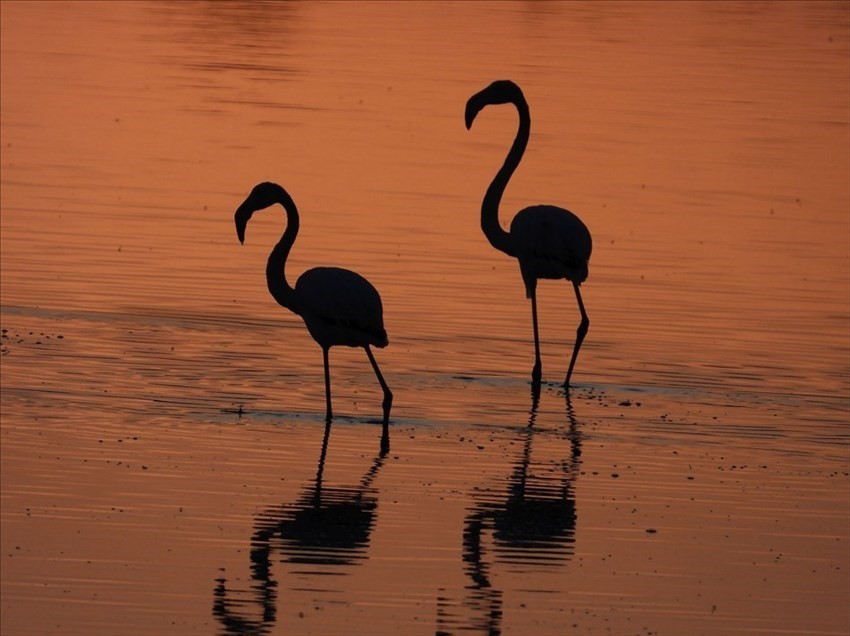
(705, 146)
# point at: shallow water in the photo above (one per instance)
(165, 464)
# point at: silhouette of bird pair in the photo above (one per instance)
(340, 307)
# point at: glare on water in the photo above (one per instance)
(165, 464)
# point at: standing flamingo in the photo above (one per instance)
(338, 306)
(548, 241)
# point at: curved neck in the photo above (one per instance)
(498, 238)
(279, 288)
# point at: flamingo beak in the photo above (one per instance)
(241, 218)
(471, 112)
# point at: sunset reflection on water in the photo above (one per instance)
(160, 412)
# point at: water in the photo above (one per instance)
(165, 464)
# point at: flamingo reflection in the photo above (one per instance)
(326, 526)
(532, 524)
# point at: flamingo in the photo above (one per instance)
(338, 306)
(548, 241)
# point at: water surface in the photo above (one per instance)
(165, 464)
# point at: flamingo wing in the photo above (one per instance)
(340, 307)
(551, 242)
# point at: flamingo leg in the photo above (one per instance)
(580, 334)
(537, 371)
(329, 413)
(387, 403)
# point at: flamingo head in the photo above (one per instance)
(499, 92)
(262, 196)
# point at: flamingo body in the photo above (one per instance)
(340, 307)
(550, 242)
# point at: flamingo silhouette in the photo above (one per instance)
(548, 241)
(338, 306)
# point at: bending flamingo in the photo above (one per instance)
(548, 241)
(338, 306)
